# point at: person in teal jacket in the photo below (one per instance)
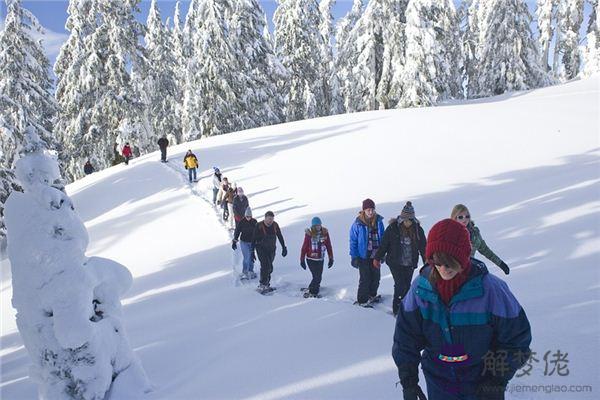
(365, 238)
(460, 323)
(461, 213)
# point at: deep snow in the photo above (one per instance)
(526, 164)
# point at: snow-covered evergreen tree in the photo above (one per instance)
(346, 49)
(297, 44)
(546, 10)
(97, 97)
(567, 58)
(378, 57)
(508, 57)
(591, 53)
(25, 93)
(259, 100)
(333, 103)
(160, 83)
(433, 68)
(68, 305)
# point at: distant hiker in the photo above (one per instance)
(365, 238)
(216, 183)
(163, 143)
(403, 241)
(117, 157)
(244, 231)
(264, 240)
(461, 213)
(88, 168)
(221, 198)
(229, 197)
(127, 154)
(463, 320)
(316, 242)
(240, 203)
(190, 162)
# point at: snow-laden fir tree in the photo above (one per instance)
(25, 93)
(68, 306)
(377, 58)
(471, 13)
(591, 51)
(545, 11)
(177, 46)
(333, 102)
(259, 99)
(433, 68)
(346, 48)
(567, 58)
(160, 83)
(99, 103)
(508, 57)
(297, 44)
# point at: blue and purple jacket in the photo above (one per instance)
(455, 339)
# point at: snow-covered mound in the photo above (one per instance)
(526, 165)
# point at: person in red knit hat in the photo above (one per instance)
(457, 314)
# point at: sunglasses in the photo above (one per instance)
(444, 265)
(463, 217)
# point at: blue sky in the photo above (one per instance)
(53, 15)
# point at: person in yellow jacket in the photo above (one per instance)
(190, 163)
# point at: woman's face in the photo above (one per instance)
(369, 212)
(407, 223)
(463, 217)
(446, 272)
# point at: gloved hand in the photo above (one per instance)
(330, 263)
(491, 388)
(284, 251)
(355, 262)
(234, 244)
(504, 267)
(376, 263)
(303, 264)
(411, 389)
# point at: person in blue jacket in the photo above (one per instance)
(472, 332)
(365, 238)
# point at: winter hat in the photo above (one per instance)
(216, 170)
(450, 237)
(315, 221)
(408, 212)
(240, 191)
(248, 212)
(368, 203)
(269, 214)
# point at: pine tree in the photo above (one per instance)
(508, 57)
(26, 100)
(545, 11)
(297, 44)
(567, 58)
(333, 103)
(591, 54)
(433, 70)
(346, 49)
(160, 84)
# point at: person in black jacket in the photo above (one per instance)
(163, 142)
(240, 204)
(403, 241)
(264, 240)
(244, 232)
(88, 168)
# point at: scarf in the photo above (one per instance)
(447, 289)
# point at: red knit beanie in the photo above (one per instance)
(450, 237)
(368, 203)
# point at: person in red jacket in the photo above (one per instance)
(127, 153)
(316, 242)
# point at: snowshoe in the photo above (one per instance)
(375, 299)
(365, 305)
(252, 275)
(244, 276)
(309, 295)
(264, 289)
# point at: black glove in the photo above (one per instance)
(330, 263)
(284, 251)
(491, 388)
(303, 264)
(411, 389)
(504, 268)
(354, 262)
(234, 244)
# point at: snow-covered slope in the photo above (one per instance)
(526, 164)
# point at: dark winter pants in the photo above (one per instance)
(316, 269)
(266, 258)
(456, 391)
(402, 277)
(192, 173)
(163, 154)
(127, 160)
(368, 282)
